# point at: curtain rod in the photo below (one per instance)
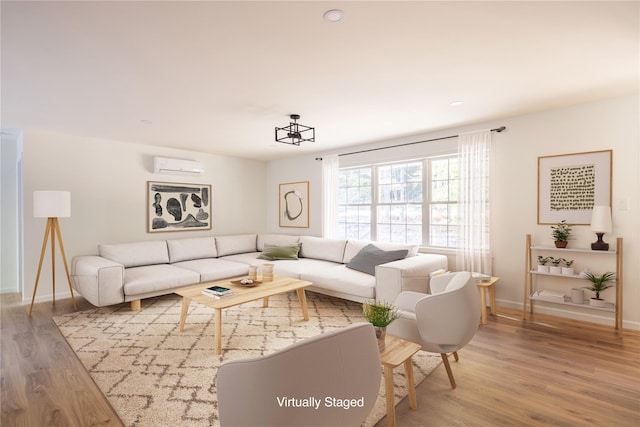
(500, 129)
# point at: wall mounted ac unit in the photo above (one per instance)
(167, 165)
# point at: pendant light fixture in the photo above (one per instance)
(295, 133)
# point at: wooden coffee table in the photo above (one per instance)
(242, 294)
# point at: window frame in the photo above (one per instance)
(375, 202)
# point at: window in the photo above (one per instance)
(355, 203)
(443, 202)
(399, 202)
(404, 202)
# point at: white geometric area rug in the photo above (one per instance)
(154, 375)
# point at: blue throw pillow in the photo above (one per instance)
(370, 256)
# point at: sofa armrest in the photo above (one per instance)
(406, 301)
(409, 274)
(99, 280)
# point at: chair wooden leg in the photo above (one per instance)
(455, 356)
(445, 360)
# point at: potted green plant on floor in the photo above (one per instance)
(380, 315)
(598, 284)
(561, 232)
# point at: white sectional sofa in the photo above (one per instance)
(130, 272)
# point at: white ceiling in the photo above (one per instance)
(218, 77)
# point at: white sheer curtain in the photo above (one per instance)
(330, 172)
(474, 245)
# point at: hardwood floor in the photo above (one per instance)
(42, 381)
(541, 372)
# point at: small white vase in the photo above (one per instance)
(577, 296)
(597, 302)
(567, 271)
(543, 268)
(555, 270)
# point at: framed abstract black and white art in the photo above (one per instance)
(175, 206)
(570, 185)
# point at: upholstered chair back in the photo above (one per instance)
(449, 319)
(310, 383)
(443, 321)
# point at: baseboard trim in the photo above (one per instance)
(26, 299)
(575, 313)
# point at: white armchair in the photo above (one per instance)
(331, 379)
(443, 321)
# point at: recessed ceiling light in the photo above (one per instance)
(456, 103)
(334, 15)
(146, 122)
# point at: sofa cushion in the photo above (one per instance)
(214, 268)
(249, 258)
(154, 278)
(236, 244)
(136, 254)
(276, 240)
(322, 248)
(272, 253)
(283, 267)
(370, 256)
(298, 268)
(355, 246)
(193, 248)
(342, 280)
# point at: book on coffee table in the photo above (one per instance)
(218, 291)
(212, 295)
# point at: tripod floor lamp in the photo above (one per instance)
(52, 205)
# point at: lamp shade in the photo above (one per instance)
(48, 204)
(601, 219)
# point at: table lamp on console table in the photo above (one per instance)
(600, 224)
(52, 205)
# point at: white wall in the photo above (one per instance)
(607, 124)
(108, 185)
(308, 168)
(10, 227)
(303, 168)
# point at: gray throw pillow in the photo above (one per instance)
(370, 256)
(273, 253)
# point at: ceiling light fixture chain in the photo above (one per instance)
(295, 133)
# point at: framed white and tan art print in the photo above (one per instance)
(293, 204)
(178, 207)
(570, 185)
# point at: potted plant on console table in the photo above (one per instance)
(560, 233)
(598, 284)
(542, 264)
(380, 315)
(555, 267)
(567, 269)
